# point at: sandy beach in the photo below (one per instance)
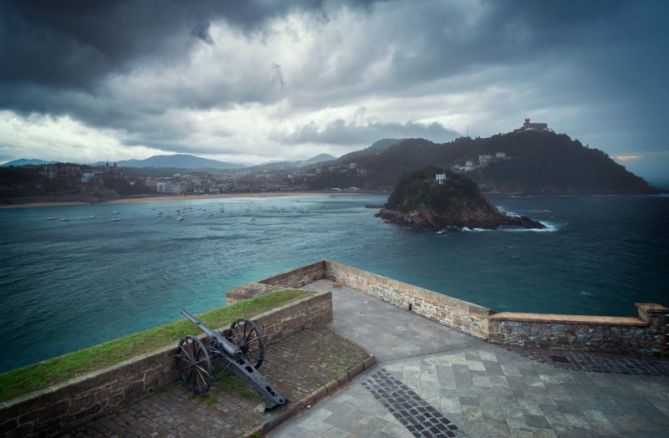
(175, 198)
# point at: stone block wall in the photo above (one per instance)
(298, 277)
(452, 312)
(645, 334)
(84, 398)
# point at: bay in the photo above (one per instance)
(74, 276)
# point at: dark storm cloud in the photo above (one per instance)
(340, 132)
(76, 43)
(89, 60)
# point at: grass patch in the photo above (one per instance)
(59, 369)
(230, 384)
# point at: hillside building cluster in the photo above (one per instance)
(483, 161)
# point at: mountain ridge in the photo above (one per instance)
(26, 162)
(177, 161)
(534, 163)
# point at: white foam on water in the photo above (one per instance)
(507, 212)
(475, 230)
(550, 228)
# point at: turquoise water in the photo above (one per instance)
(69, 284)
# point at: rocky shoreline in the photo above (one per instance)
(425, 219)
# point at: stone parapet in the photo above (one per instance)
(452, 312)
(81, 399)
(581, 332)
(646, 333)
(298, 277)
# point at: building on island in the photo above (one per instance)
(440, 178)
(500, 155)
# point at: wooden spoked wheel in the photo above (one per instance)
(194, 364)
(246, 336)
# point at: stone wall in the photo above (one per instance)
(645, 334)
(295, 278)
(298, 277)
(452, 312)
(86, 397)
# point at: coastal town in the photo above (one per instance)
(109, 180)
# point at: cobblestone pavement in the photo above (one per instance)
(597, 362)
(297, 366)
(483, 389)
(417, 415)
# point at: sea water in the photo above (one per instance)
(73, 276)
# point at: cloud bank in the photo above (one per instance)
(255, 81)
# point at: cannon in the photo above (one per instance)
(239, 349)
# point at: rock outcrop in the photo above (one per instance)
(421, 202)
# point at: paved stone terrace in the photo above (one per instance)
(596, 362)
(297, 366)
(482, 389)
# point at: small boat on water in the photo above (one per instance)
(65, 219)
(115, 212)
(115, 219)
(180, 218)
(52, 218)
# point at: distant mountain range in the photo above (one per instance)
(287, 165)
(178, 161)
(182, 161)
(27, 162)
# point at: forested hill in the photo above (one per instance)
(534, 163)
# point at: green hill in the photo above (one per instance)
(535, 163)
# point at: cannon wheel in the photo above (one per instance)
(194, 364)
(247, 337)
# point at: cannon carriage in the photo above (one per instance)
(239, 349)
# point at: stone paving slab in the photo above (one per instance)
(483, 389)
(596, 362)
(298, 365)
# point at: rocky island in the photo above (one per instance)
(435, 199)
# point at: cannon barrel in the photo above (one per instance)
(223, 343)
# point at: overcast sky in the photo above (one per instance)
(253, 81)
